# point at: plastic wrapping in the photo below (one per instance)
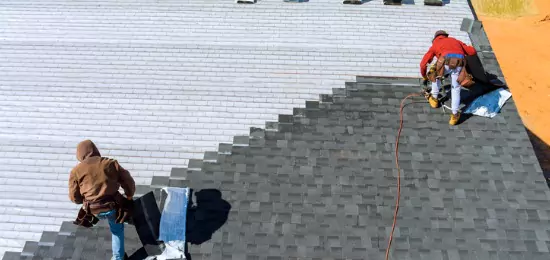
(173, 223)
(489, 104)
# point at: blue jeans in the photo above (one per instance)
(118, 233)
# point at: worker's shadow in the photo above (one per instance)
(207, 216)
(475, 91)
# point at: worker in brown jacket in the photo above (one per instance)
(95, 182)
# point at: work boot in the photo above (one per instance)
(434, 103)
(454, 118)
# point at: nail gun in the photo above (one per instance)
(427, 88)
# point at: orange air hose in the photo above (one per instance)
(398, 197)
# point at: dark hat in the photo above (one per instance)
(440, 32)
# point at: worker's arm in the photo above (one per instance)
(126, 181)
(469, 50)
(74, 189)
(428, 57)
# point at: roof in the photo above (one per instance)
(320, 183)
(155, 84)
(316, 183)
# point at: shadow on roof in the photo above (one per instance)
(542, 151)
(210, 213)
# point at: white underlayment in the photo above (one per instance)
(155, 83)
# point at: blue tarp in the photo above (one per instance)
(173, 219)
(489, 104)
(173, 224)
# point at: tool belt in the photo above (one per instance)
(85, 219)
(87, 215)
(454, 61)
(102, 205)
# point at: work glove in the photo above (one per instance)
(425, 81)
(125, 211)
(122, 216)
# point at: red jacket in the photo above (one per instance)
(443, 45)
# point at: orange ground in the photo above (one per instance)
(522, 47)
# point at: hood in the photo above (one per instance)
(85, 150)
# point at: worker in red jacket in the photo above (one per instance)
(450, 54)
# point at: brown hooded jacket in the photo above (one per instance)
(96, 178)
